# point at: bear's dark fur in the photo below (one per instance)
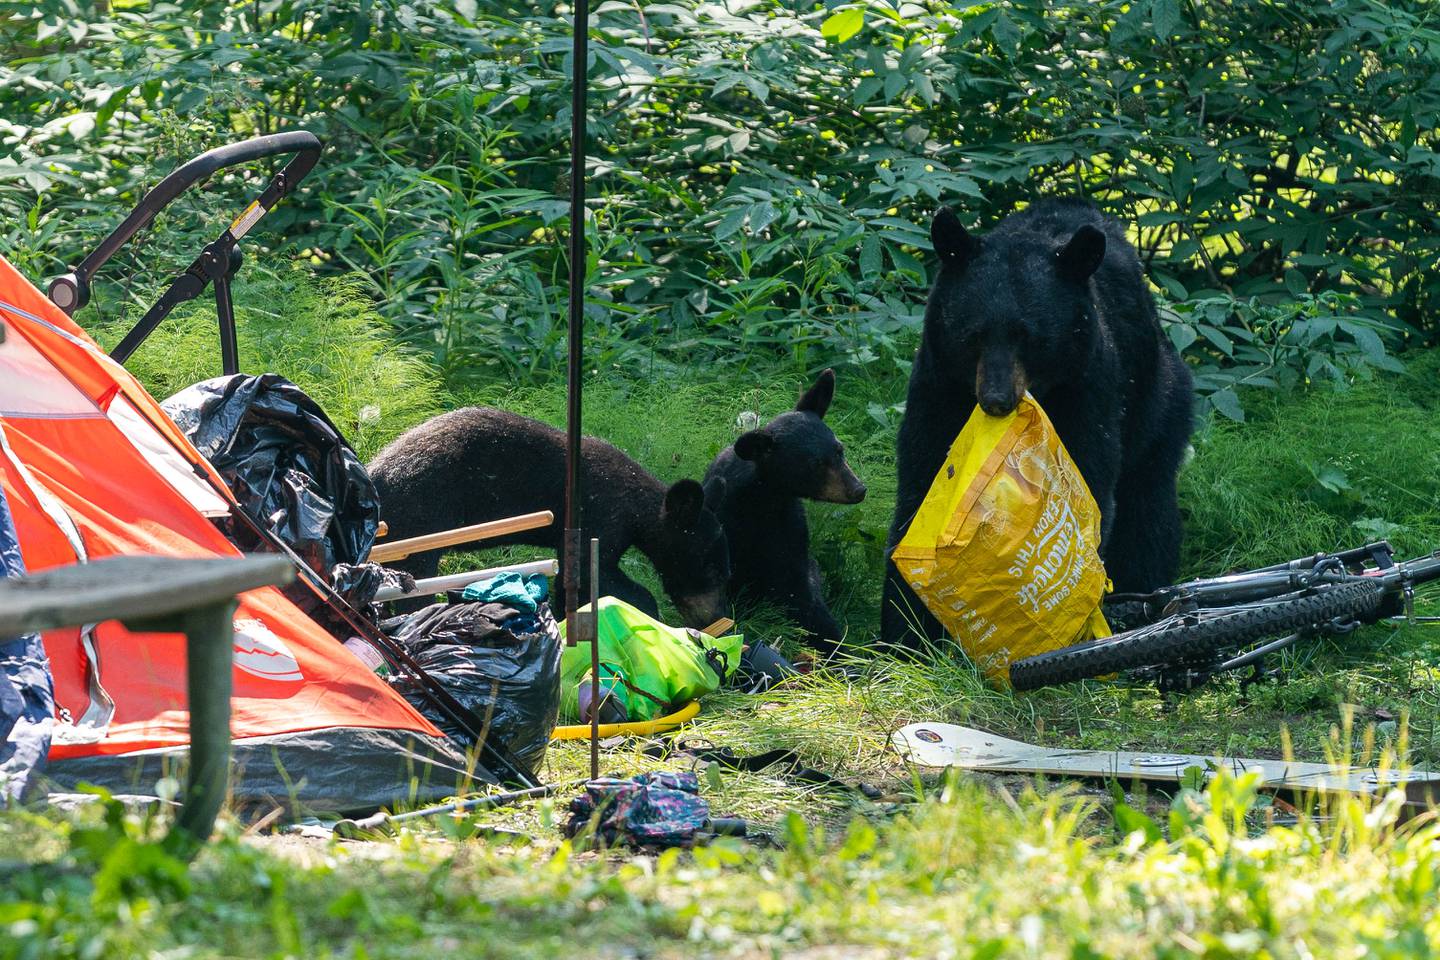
(755, 487)
(1053, 301)
(476, 464)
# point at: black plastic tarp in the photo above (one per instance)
(329, 770)
(502, 664)
(286, 463)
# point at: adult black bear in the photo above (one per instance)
(755, 486)
(1053, 301)
(476, 464)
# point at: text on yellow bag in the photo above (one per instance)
(1004, 550)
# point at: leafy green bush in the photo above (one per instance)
(1237, 343)
(762, 172)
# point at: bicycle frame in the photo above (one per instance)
(1374, 561)
(220, 259)
(1181, 636)
(1300, 574)
(1403, 578)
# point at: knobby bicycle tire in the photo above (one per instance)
(1132, 614)
(1196, 636)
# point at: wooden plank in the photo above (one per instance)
(120, 588)
(400, 549)
(948, 745)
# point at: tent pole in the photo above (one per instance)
(580, 31)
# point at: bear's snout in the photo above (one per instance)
(841, 486)
(1000, 382)
(699, 610)
(998, 405)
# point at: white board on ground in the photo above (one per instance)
(965, 748)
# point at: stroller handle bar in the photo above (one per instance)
(71, 291)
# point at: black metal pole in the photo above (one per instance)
(570, 564)
(594, 620)
(225, 313)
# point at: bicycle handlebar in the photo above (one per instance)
(71, 291)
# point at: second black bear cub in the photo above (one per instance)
(1053, 301)
(478, 463)
(756, 486)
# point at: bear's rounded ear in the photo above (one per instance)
(1081, 256)
(683, 503)
(817, 399)
(715, 489)
(952, 242)
(753, 446)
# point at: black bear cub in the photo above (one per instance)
(756, 486)
(1052, 301)
(476, 464)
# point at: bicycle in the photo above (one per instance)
(1181, 636)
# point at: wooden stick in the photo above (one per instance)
(456, 581)
(719, 628)
(400, 549)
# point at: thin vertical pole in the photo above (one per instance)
(594, 631)
(572, 545)
(225, 313)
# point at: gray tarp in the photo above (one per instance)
(27, 695)
(333, 770)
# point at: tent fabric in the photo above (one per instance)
(82, 453)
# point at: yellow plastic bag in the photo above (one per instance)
(1004, 548)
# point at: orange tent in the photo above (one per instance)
(91, 468)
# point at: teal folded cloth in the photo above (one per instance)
(523, 593)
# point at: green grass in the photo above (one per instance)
(1318, 470)
(323, 334)
(1328, 469)
(957, 874)
(972, 867)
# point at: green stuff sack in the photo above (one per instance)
(663, 667)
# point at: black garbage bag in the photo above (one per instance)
(286, 463)
(358, 583)
(501, 663)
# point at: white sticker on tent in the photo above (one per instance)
(158, 452)
(260, 653)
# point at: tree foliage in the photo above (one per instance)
(762, 171)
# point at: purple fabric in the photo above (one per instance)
(652, 810)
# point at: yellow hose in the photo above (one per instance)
(634, 728)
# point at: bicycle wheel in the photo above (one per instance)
(1128, 614)
(1197, 634)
